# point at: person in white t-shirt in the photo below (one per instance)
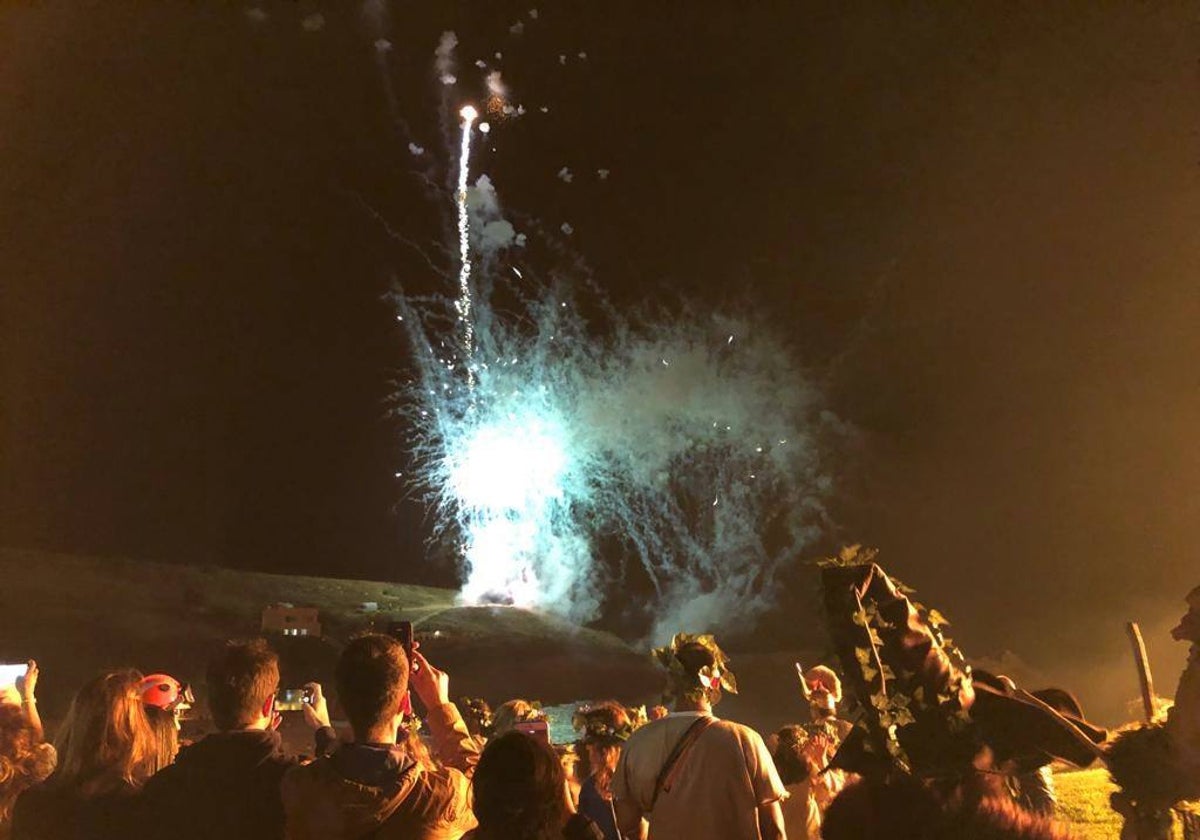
(691, 776)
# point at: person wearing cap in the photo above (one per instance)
(823, 690)
(690, 774)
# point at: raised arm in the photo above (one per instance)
(452, 743)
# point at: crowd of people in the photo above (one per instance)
(935, 751)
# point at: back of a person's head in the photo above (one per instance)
(165, 739)
(22, 760)
(242, 677)
(605, 728)
(105, 739)
(788, 751)
(371, 679)
(694, 657)
(519, 790)
(512, 712)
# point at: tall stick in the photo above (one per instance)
(1143, 668)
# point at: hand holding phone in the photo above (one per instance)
(430, 684)
(316, 709)
(402, 631)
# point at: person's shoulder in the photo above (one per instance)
(297, 775)
(740, 730)
(747, 737)
(653, 729)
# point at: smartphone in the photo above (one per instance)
(292, 699)
(539, 730)
(10, 674)
(403, 632)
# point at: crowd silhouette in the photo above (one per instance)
(900, 739)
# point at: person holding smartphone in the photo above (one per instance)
(227, 783)
(20, 689)
(375, 786)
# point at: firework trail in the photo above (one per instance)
(465, 315)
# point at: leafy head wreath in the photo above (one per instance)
(708, 680)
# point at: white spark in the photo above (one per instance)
(517, 28)
(565, 175)
(567, 229)
(603, 173)
(533, 13)
(485, 127)
(415, 150)
(383, 45)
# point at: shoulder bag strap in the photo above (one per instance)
(663, 783)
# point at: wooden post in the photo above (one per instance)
(1145, 680)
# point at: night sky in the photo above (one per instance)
(981, 228)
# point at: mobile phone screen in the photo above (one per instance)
(403, 632)
(290, 700)
(537, 729)
(9, 674)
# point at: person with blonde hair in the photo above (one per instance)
(105, 753)
(506, 717)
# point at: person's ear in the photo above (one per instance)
(268, 708)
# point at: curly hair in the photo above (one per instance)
(788, 751)
(24, 759)
(519, 790)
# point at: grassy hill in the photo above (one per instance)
(78, 615)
